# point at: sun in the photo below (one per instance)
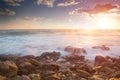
(105, 23)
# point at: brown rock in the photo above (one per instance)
(82, 73)
(103, 47)
(8, 68)
(2, 78)
(99, 60)
(52, 56)
(26, 68)
(75, 50)
(51, 67)
(74, 58)
(35, 76)
(24, 77)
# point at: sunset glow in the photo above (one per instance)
(59, 14)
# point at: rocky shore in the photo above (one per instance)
(51, 66)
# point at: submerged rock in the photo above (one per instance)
(8, 68)
(75, 50)
(103, 47)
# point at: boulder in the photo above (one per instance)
(26, 68)
(69, 49)
(23, 77)
(75, 50)
(52, 56)
(9, 57)
(3, 78)
(82, 73)
(35, 76)
(50, 67)
(8, 69)
(99, 60)
(102, 47)
(74, 58)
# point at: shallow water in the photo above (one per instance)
(37, 41)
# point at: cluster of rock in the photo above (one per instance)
(51, 66)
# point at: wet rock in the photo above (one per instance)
(9, 57)
(75, 50)
(74, 58)
(24, 77)
(116, 74)
(103, 47)
(114, 79)
(50, 67)
(26, 68)
(52, 56)
(106, 70)
(53, 77)
(82, 73)
(8, 68)
(35, 62)
(3, 78)
(99, 60)
(35, 76)
(69, 49)
(99, 77)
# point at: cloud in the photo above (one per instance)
(68, 3)
(48, 3)
(99, 8)
(13, 2)
(7, 12)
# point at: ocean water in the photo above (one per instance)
(37, 41)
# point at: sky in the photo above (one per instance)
(59, 14)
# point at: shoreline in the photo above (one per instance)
(51, 66)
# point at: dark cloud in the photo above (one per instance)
(48, 3)
(4, 12)
(68, 3)
(99, 8)
(13, 2)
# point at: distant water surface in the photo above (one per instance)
(38, 41)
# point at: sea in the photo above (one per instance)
(37, 41)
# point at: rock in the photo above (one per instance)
(52, 56)
(75, 50)
(2, 78)
(69, 49)
(8, 68)
(98, 77)
(35, 62)
(24, 77)
(74, 58)
(116, 74)
(114, 79)
(103, 47)
(106, 70)
(50, 67)
(35, 76)
(99, 60)
(53, 77)
(82, 73)
(9, 58)
(26, 68)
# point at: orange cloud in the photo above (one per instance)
(99, 8)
